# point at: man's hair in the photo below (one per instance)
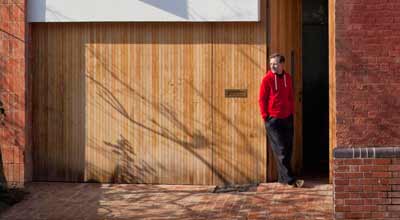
(279, 56)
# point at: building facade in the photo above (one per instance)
(90, 101)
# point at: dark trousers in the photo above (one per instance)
(280, 138)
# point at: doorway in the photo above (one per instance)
(315, 88)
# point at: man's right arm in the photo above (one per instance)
(263, 99)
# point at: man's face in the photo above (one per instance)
(276, 66)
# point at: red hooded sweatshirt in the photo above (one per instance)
(276, 95)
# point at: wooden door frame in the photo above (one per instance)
(292, 51)
(332, 77)
(332, 84)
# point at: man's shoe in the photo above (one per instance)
(298, 183)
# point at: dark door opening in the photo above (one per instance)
(315, 88)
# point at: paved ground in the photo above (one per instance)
(272, 201)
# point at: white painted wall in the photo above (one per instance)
(143, 10)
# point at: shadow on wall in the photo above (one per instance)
(12, 133)
(128, 122)
(182, 135)
(39, 10)
(3, 180)
(36, 9)
(115, 202)
(42, 10)
(186, 10)
(127, 170)
(12, 129)
(180, 9)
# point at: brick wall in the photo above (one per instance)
(12, 89)
(368, 72)
(367, 183)
(366, 158)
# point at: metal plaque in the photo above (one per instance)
(235, 93)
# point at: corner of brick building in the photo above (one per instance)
(367, 154)
(15, 132)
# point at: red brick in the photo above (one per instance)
(394, 168)
(373, 168)
(9, 172)
(379, 188)
(356, 208)
(354, 188)
(16, 173)
(377, 201)
(16, 14)
(343, 208)
(18, 155)
(12, 83)
(355, 195)
(6, 135)
(341, 181)
(393, 208)
(394, 181)
(378, 174)
(22, 172)
(5, 13)
(339, 202)
(353, 215)
(7, 154)
(342, 168)
(374, 195)
(394, 214)
(342, 195)
(374, 208)
(379, 161)
(377, 215)
(17, 48)
(368, 188)
(340, 189)
(354, 168)
(351, 162)
(348, 175)
(374, 181)
(354, 202)
(339, 215)
(354, 181)
(75, 201)
(394, 194)
(337, 162)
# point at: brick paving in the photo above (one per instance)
(272, 201)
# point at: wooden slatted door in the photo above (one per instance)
(285, 38)
(145, 102)
(239, 154)
(122, 103)
(148, 103)
(58, 102)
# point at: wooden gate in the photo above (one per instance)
(146, 102)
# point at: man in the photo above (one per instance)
(277, 106)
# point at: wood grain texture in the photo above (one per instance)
(285, 38)
(239, 154)
(332, 86)
(144, 102)
(58, 103)
(150, 84)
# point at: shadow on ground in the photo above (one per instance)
(127, 201)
